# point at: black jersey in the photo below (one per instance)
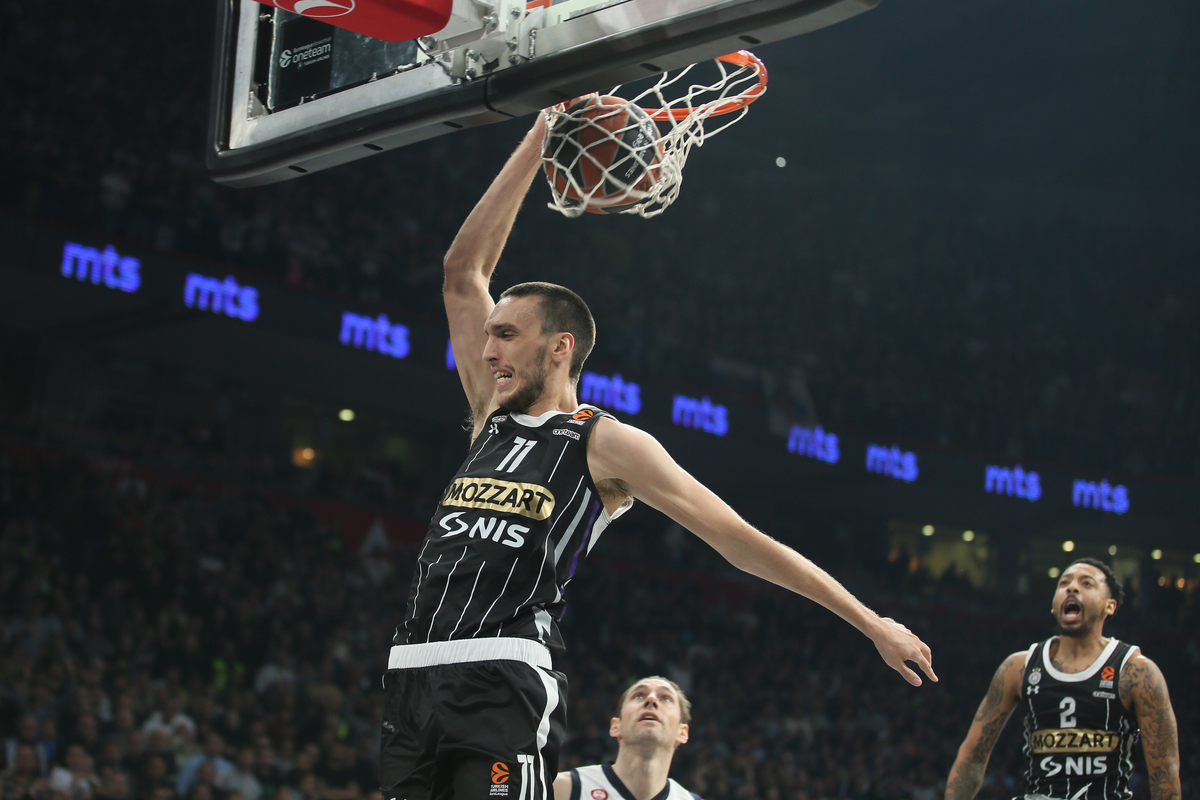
(509, 533)
(1078, 735)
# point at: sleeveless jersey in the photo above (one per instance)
(508, 533)
(599, 782)
(1078, 735)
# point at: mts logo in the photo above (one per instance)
(379, 334)
(611, 392)
(703, 415)
(893, 462)
(105, 266)
(1101, 496)
(814, 443)
(1014, 482)
(221, 296)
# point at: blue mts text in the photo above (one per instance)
(611, 392)
(375, 333)
(105, 266)
(1101, 496)
(893, 462)
(221, 297)
(814, 443)
(703, 415)
(1014, 482)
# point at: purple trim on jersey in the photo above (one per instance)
(587, 537)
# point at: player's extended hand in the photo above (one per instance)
(898, 644)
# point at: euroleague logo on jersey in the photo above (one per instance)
(583, 414)
(1107, 674)
(320, 9)
(599, 794)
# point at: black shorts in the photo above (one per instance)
(470, 731)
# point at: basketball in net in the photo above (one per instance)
(607, 154)
(602, 154)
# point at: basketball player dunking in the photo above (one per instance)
(651, 722)
(1085, 698)
(474, 707)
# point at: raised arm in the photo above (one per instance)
(469, 264)
(624, 453)
(1143, 685)
(1002, 697)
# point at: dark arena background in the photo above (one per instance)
(930, 314)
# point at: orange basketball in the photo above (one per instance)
(603, 154)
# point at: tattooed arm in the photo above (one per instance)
(1002, 697)
(1144, 692)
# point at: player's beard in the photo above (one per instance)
(1080, 631)
(531, 389)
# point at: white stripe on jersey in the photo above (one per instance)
(549, 531)
(433, 618)
(563, 452)
(497, 599)
(543, 731)
(467, 604)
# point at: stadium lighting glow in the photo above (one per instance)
(781, 162)
(1180, 583)
(1068, 546)
(1053, 573)
(1156, 554)
(927, 530)
(303, 456)
(1196, 558)
(1112, 549)
(346, 415)
(968, 536)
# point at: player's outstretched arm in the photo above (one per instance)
(472, 258)
(1002, 697)
(1142, 682)
(634, 457)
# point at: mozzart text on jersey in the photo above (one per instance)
(527, 499)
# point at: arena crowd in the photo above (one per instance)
(167, 636)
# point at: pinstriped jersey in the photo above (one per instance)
(1078, 735)
(509, 533)
(599, 782)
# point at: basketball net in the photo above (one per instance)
(682, 123)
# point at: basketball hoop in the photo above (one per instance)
(583, 148)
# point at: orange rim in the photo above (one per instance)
(742, 58)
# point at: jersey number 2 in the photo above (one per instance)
(1066, 716)
(520, 449)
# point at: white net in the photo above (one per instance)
(609, 154)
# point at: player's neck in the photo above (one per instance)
(1079, 652)
(643, 773)
(563, 400)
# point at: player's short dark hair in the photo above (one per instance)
(562, 311)
(685, 705)
(1115, 590)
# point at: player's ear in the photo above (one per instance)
(614, 728)
(682, 736)
(564, 346)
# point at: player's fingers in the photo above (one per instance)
(908, 674)
(925, 662)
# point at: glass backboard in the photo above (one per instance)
(293, 94)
